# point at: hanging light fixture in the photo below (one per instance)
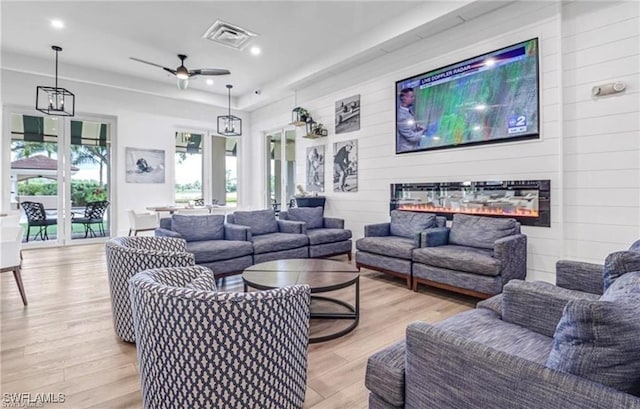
(229, 125)
(55, 100)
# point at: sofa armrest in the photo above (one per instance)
(435, 236)
(537, 305)
(377, 230)
(512, 253)
(447, 371)
(160, 232)
(579, 276)
(333, 223)
(289, 226)
(237, 232)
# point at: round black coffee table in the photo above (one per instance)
(321, 275)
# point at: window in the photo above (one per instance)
(188, 179)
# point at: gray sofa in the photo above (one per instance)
(327, 235)
(388, 247)
(475, 256)
(272, 239)
(221, 247)
(536, 346)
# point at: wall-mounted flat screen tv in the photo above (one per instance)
(486, 99)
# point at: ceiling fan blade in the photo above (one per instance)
(169, 70)
(209, 71)
(147, 62)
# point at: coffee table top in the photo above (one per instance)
(321, 275)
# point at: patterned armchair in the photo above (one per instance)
(127, 256)
(327, 235)
(199, 348)
(272, 239)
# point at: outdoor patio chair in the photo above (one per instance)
(37, 217)
(93, 214)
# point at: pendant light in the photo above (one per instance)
(229, 125)
(55, 100)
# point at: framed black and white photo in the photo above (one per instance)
(144, 165)
(348, 114)
(315, 169)
(345, 166)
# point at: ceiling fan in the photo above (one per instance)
(183, 74)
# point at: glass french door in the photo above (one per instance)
(59, 176)
(281, 167)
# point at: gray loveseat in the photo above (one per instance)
(536, 346)
(475, 256)
(221, 247)
(327, 235)
(272, 239)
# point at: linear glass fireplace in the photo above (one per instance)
(527, 201)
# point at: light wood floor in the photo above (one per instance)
(63, 341)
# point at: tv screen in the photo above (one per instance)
(486, 99)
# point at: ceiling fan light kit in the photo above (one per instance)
(182, 73)
(229, 125)
(55, 100)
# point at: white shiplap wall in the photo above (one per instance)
(547, 158)
(601, 143)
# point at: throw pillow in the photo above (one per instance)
(260, 221)
(312, 216)
(408, 224)
(479, 231)
(198, 228)
(204, 281)
(598, 340)
(619, 263)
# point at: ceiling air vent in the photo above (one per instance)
(229, 35)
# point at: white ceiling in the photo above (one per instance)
(300, 40)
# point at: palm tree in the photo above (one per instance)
(24, 149)
(90, 154)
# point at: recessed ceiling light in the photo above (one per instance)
(55, 23)
(255, 50)
(210, 81)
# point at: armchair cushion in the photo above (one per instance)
(408, 224)
(260, 221)
(485, 326)
(267, 243)
(391, 246)
(312, 216)
(459, 258)
(197, 228)
(217, 250)
(322, 236)
(598, 340)
(618, 264)
(478, 231)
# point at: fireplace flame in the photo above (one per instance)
(491, 211)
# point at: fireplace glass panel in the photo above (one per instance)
(525, 200)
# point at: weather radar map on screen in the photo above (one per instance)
(485, 99)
